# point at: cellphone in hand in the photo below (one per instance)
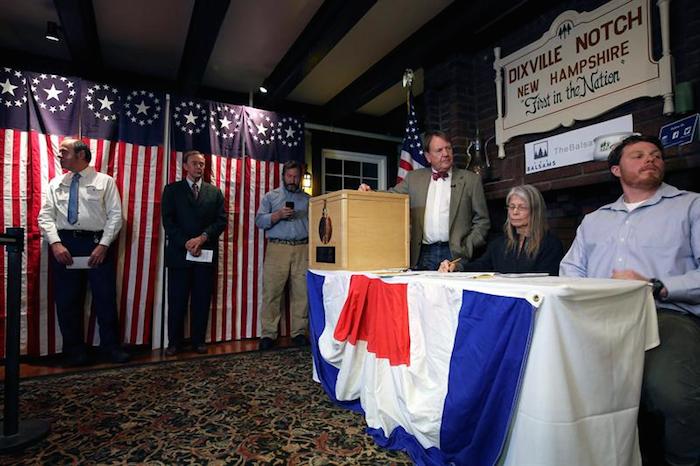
(289, 204)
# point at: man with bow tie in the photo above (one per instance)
(193, 218)
(80, 218)
(449, 215)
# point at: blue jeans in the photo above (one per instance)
(431, 255)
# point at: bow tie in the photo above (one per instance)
(439, 175)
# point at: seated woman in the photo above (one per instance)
(527, 245)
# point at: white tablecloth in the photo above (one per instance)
(580, 391)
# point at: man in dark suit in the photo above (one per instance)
(449, 216)
(193, 218)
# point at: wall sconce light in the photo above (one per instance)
(52, 31)
(478, 160)
(306, 181)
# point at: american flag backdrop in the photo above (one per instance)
(54, 109)
(270, 140)
(126, 131)
(16, 186)
(217, 129)
(131, 152)
(412, 155)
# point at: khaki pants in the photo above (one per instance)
(284, 262)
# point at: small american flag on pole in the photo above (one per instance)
(412, 156)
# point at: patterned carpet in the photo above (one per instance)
(249, 408)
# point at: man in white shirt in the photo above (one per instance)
(449, 215)
(81, 218)
(652, 233)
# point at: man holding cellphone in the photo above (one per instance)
(283, 214)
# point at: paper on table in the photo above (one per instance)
(206, 255)
(389, 272)
(80, 262)
(459, 275)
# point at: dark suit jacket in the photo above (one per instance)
(184, 218)
(469, 214)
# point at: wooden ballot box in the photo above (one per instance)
(354, 230)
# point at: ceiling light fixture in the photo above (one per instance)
(52, 30)
(263, 90)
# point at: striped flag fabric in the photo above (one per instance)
(124, 130)
(216, 130)
(412, 155)
(130, 151)
(16, 188)
(54, 109)
(270, 140)
(434, 369)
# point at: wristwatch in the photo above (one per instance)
(656, 287)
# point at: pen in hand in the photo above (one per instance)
(448, 266)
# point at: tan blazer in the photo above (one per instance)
(469, 215)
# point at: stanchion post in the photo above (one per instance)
(14, 249)
(16, 435)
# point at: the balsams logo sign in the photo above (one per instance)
(581, 145)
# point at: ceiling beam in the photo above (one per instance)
(207, 18)
(24, 61)
(447, 32)
(80, 33)
(327, 27)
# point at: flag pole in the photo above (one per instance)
(164, 271)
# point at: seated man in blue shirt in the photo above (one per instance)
(652, 233)
(283, 214)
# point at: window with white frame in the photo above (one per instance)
(347, 170)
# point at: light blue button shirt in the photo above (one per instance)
(295, 228)
(659, 239)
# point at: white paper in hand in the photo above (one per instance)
(206, 255)
(79, 263)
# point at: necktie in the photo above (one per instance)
(195, 191)
(73, 199)
(439, 175)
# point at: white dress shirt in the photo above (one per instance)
(198, 183)
(99, 206)
(659, 239)
(436, 223)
